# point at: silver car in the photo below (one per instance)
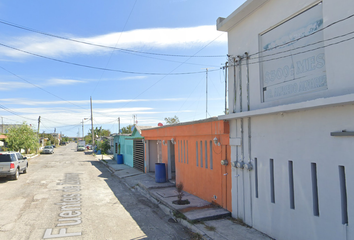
(11, 164)
(48, 149)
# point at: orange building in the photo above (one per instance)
(193, 154)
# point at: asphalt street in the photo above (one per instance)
(70, 195)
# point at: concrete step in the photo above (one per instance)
(207, 214)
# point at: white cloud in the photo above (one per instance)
(7, 86)
(133, 78)
(57, 81)
(30, 102)
(159, 38)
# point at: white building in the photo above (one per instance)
(291, 104)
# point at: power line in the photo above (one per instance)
(100, 68)
(39, 87)
(310, 50)
(305, 36)
(104, 46)
(14, 113)
(289, 50)
(109, 59)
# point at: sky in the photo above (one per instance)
(147, 58)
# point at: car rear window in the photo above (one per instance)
(5, 158)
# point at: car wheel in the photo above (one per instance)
(17, 174)
(25, 170)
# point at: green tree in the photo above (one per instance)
(127, 129)
(104, 146)
(100, 132)
(172, 120)
(22, 137)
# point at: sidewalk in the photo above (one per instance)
(200, 216)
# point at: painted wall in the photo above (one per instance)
(298, 165)
(126, 146)
(213, 185)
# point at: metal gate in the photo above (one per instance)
(138, 154)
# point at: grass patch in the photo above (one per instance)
(210, 228)
(195, 236)
(195, 222)
(177, 214)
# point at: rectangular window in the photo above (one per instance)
(206, 154)
(196, 150)
(271, 170)
(179, 155)
(187, 152)
(316, 208)
(184, 151)
(288, 74)
(291, 185)
(211, 154)
(181, 151)
(256, 176)
(201, 153)
(343, 195)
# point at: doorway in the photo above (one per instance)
(171, 162)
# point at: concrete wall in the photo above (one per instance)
(296, 129)
(126, 148)
(213, 185)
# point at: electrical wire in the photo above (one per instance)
(99, 68)
(307, 45)
(40, 87)
(310, 50)
(305, 36)
(14, 113)
(104, 46)
(110, 56)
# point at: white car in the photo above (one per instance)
(48, 149)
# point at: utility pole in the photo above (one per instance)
(2, 124)
(93, 134)
(82, 129)
(206, 93)
(134, 119)
(226, 87)
(39, 123)
(118, 125)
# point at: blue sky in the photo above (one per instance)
(162, 77)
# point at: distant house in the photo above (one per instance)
(192, 153)
(131, 147)
(291, 104)
(2, 141)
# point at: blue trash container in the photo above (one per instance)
(120, 159)
(160, 173)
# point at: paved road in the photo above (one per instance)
(70, 195)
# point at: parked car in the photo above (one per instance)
(11, 164)
(48, 149)
(80, 148)
(89, 147)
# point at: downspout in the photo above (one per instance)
(237, 157)
(249, 133)
(242, 136)
(235, 88)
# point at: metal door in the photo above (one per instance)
(138, 154)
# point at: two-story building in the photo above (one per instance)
(291, 104)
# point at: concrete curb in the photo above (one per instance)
(169, 211)
(36, 155)
(162, 206)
